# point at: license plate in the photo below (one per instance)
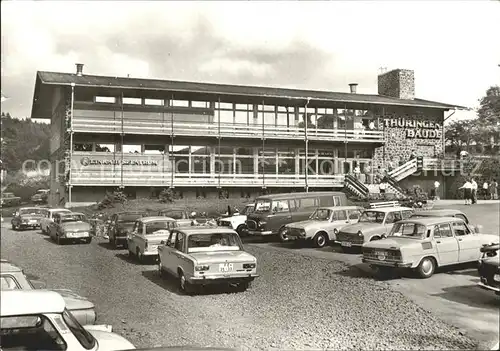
(225, 267)
(79, 235)
(32, 221)
(346, 244)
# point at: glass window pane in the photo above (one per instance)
(200, 104)
(105, 99)
(244, 151)
(280, 206)
(154, 102)
(244, 107)
(284, 119)
(104, 147)
(225, 116)
(179, 103)
(269, 118)
(242, 117)
(224, 105)
(132, 149)
(224, 165)
(180, 149)
(154, 149)
(132, 101)
(83, 147)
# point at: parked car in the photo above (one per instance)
(199, 256)
(323, 225)
(446, 213)
(147, 234)
(13, 278)
(39, 320)
(41, 196)
(183, 216)
(273, 212)
(9, 200)
(69, 227)
(423, 244)
(121, 224)
(373, 224)
(45, 222)
(28, 217)
(489, 268)
(238, 220)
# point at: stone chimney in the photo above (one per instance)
(398, 83)
(353, 87)
(79, 69)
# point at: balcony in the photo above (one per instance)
(167, 179)
(225, 130)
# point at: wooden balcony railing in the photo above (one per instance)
(255, 131)
(159, 179)
(431, 164)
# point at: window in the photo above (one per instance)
(397, 216)
(407, 214)
(154, 149)
(443, 231)
(179, 244)
(83, 147)
(321, 214)
(308, 202)
(8, 283)
(157, 227)
(214, 242)
(105, 147)
(293, 208)
(354, 214)
(81, 334)
(460, 229)
(390, 218)
(132, 101)
(180, 103)
(179, 214)
(461, 216)
(225, 105)
(414, 230)
(132, 149)
(171, 239)
(225, 116)
(200, 104)
(339, 216)
(281, 206)
(33, 332)
(336, 201)
(326, 201)
(105, 99)
(154, 102)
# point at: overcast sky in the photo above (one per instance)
(453, 46)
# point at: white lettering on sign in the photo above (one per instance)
(86, 161)
(416, 129)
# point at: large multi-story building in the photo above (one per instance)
(144, 135)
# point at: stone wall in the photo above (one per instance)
(398, 83)
(400, 128)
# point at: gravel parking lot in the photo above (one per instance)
(298, 302)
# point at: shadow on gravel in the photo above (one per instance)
(460, 269)
(428, 342)
(170, 283)
(357, 271)
(470, 295)
(106, 245)
(132, 260)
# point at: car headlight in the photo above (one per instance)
(201, 268)
(249, 265)
(359, 233)
(335, 231)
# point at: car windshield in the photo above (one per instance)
(321, 214)
(214, 242)
(158, 227)
(70, 218)
(31, 211)
(372, 217)
(262, 206)
(247, 210)
(80, 217)
(84, 337)
(129, 217)
(409, 230)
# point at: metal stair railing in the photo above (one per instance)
(357, 185)
(401, 170)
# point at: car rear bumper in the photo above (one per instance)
(386, 264)
(484, 285)
(260, 233)
(230, 279)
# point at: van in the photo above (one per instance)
(273, 212)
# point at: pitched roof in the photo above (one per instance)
(57, 78)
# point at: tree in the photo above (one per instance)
(460, 135)
(488, 121)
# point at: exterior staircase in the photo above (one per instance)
(404, 170)
(355, 187)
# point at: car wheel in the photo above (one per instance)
(320, 240)
(282, 234)
(161, 272)
(426, 267)
(184, 284)
(88, 240)
(244, 286)
(240, 229)
(58, 240)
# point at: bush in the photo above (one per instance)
(116, 197)
(166, 196)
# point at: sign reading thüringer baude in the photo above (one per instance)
(415, 129)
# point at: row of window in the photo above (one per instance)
(205, 151)
(230, 106)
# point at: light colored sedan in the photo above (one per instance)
(49, 218)
(69, 227)
(206, 256)
(425, 244)
(324, 224)
(147, 234)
